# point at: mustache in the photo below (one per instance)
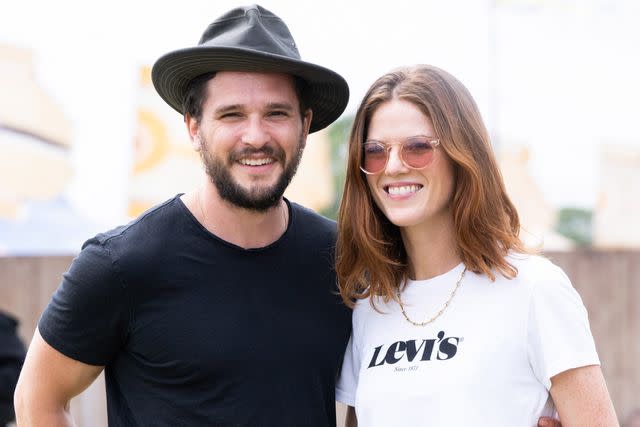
(266, 151)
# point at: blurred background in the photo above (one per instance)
(86, 143)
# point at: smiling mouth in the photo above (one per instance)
(402, 190)
(257, 162)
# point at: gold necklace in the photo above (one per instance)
(446, 304)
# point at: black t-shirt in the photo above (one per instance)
(196, 331)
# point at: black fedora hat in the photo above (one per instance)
(250, 39)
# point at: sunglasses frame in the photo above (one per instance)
(434, 142)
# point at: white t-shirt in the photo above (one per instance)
(486, 361)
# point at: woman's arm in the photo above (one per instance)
(582, 398)
(351, 420)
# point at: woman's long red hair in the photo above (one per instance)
(370, 255)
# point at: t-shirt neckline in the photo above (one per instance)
(218, 239)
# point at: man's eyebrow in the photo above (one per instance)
(271, 106)
(280, 106)
(227, 108)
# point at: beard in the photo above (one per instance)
(259, 199)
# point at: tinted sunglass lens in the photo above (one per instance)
(374, 157)
(417, 153)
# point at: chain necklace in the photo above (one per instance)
(446, 304)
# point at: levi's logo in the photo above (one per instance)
(428, 349)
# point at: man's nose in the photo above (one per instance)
(255, 133)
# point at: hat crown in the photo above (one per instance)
(251, 27)
(250, 39)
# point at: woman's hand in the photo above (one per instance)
(548, 422)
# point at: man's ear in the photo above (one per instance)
(193, 128)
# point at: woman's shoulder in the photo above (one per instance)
(538, 272)
(534, 266)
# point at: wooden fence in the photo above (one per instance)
(26, 286)
(608, 281)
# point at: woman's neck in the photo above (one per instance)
(431, 248)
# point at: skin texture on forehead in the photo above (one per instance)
(236, 88)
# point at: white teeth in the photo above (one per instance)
(256, 162)
(403, 190)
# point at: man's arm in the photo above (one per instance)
(47, 383)
(582, 398)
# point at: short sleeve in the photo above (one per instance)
(348, 379)
(347, 384)
(558, 333)
(87, 317)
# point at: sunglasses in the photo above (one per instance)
(416, 152)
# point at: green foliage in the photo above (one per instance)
(338, 140)
(576, 225)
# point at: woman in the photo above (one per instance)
(455, 322)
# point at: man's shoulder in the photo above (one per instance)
(310, 219)
(151, 226)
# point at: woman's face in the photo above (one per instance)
(408, 197)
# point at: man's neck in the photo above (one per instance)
(242, 227)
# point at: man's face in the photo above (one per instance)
(251, 136)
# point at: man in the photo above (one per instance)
(217, 307)
(11, 358)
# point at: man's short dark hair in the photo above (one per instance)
(196, 94)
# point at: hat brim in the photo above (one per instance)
(328, 92)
